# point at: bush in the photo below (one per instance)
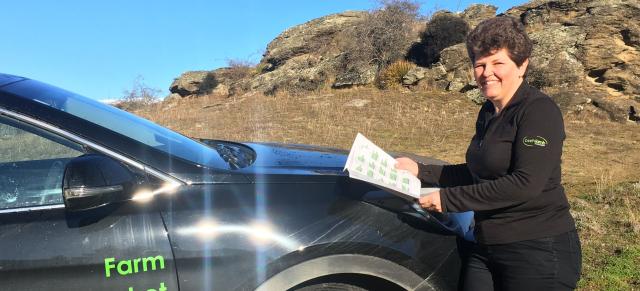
(140, 95)
(391, 76)
(382, 37)
(443, 30)
(261, 68)
(238, 69)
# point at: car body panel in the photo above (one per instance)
(55, 250)
(260, 234)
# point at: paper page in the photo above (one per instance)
(369, 163)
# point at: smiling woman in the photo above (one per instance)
(525, 236)
(499, 61)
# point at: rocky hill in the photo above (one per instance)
(586, 53)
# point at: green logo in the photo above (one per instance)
(534, 141)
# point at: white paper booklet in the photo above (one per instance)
(369, 163)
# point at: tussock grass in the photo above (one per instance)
(391, 76)
(601, 159)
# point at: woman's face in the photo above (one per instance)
(498, 76)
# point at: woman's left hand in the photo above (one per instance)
(431, 201)
(407, 164)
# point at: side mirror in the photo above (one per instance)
(95, 180)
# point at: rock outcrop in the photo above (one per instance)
(305, 56)
(591, 48)
(476, 13)
(312, 37)
(192, 83)
(450, 69)
(585, 52)
(201, 82)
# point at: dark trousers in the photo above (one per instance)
(550, 263)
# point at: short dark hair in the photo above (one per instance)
(497, 33)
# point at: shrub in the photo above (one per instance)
(382, 37)
(391, 76)
(139, 96)
(443, 30)
(238, 69)
(261, 68)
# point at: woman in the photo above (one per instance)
(525, 236)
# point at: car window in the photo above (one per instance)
(32, 163)
(122, 122)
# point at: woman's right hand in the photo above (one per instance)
(404, 163)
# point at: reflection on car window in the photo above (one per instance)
(119, 121)
(32, 163)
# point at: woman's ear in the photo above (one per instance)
(522, 70)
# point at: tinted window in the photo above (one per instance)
(32, 163)
(119, 121)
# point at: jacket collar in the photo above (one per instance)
(517, 98)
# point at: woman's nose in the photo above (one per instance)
(488, 71)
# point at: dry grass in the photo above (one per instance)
(425, 123)
(601, 160)
(609, 226)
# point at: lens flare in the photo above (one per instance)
(146, 195)
(259, 233)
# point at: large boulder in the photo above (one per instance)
(414, 75)
(305, 56)
(455, 61)
(476, 13)
(452, 73)
(445, 53)
(193, 83)
(305, 72)
(219, 82)
(355, 77)
(312, 37)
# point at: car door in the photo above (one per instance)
(45, 247)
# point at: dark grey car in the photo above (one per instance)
(94, 198)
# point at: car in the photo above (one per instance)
(96, 198)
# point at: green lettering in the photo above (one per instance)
(162, 288)
(127, 267)
(537, 141)
(127, 264)
(153, 260)
(108, 265)
(135, 264)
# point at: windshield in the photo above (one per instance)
(117, 120)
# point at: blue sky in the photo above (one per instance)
(98, 48)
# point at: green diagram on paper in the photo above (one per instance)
(370, 163)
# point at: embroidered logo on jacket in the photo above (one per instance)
(534, 141)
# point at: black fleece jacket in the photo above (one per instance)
(512, 175)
